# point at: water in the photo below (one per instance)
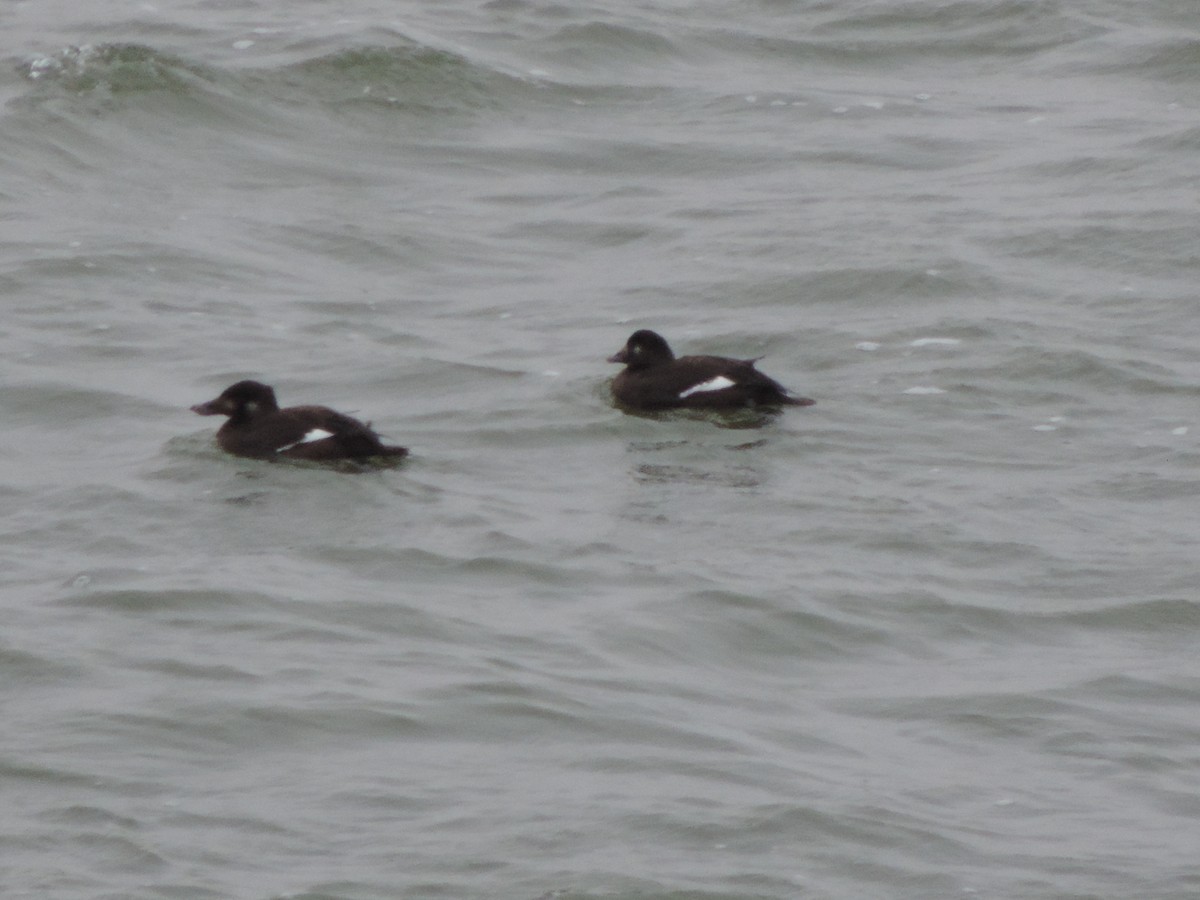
(933, 637)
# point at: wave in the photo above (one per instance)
(404, 75)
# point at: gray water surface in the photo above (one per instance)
(933, 637)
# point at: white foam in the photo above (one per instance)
(43, 64)
(931, 342)
(713, 384)
(924, 390)
(866, 345)
(1182, 429)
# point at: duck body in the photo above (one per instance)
(259, 429)
(654, 379)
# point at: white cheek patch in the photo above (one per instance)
(317, 434)
(713, 384)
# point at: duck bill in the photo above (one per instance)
(207, 409)
(621, 356)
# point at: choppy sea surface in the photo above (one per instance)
(934, 637)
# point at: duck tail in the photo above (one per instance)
(790, 400)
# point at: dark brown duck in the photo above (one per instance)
(259, 429)
(654, 379)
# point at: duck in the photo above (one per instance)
(654, 379)
(257, 428)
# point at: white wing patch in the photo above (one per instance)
(713, 384)
(316, 434)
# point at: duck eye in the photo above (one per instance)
(251, 406)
